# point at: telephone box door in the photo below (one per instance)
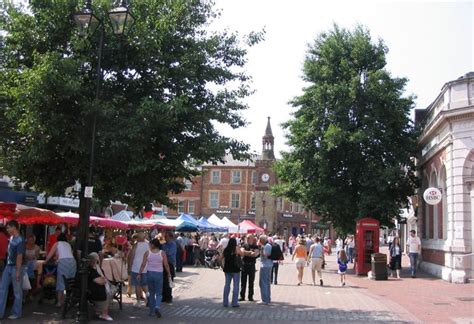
(367, 243)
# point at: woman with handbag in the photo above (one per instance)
(156, 262)
(99, 287)
(232, 263)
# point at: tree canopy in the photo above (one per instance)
(352, 141)
(165, 87)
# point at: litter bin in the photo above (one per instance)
(379, 266)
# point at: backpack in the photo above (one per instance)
(276, 254)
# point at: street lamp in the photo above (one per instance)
(263, 210)
(87, 24)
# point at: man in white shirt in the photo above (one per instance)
(413, 250)
(223, 243)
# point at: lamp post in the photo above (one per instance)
(87, 23)
(263, 211)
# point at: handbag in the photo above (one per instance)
(26, 285)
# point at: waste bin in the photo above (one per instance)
(379, 266)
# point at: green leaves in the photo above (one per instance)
(351, 136)
(164, 87)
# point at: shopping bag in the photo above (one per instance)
(26, 282)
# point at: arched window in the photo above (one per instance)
(432, 211)
(443, 206)
(425, 208)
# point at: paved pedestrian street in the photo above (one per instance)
(198, 299)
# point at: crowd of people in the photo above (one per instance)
(152, 260)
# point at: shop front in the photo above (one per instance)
(292, 224)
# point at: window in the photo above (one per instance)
(165, 209)
(214, 200)
(236, 176)
(191, 207)
(180, 207)
(253, 201)
(235, 203)
(188, 184)
(280, 204)
(254, 177)
(215, 176)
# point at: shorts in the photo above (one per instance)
(341, 272)
(300, 262)
(316, 264)
(134, 281)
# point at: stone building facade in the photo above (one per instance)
(446, 161)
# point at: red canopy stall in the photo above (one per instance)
(29, 215)
(250, 227)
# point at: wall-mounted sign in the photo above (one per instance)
(288, 215)
(251, 212)
(432, 196)
(223, 211)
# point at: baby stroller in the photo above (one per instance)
(211, 259)
(48, 283)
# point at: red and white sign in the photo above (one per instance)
(432, 196)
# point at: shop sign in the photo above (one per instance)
(251, 212)
(432, 196)
(288, 215)
(59, 201)
(224, 211)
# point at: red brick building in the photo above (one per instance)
(240, 190)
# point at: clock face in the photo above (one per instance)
(265, 177)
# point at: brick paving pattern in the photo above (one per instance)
(198, 299)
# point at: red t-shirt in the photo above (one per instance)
(3, 246)
(53, 238)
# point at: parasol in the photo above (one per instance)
(28, 215)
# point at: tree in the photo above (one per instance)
(165, 86)
(351, 138)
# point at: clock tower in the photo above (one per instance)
(266, 213)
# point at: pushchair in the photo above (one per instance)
(48, 283)
(211, 259)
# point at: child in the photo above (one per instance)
(342, 262)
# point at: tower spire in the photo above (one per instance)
(268, 143)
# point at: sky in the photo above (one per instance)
(429, 42)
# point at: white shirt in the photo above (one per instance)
(64, 250)
(142, 247)
(223, 243)
(339, 244)
(414, 244)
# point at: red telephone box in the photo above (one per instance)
(366, 243)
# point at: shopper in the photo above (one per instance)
(413, 250)
(155, 261)
(316, 256)
(250, 253)
(300, 254)
(62, 251)
(395, 257)
(13, 272)
(342, 266)
(265, 270)
(231, 259)
(136, 257)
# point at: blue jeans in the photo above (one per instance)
(155, 288)
(264, 282)
(9, 276)
(350, 254)
(235, 289)
(413, 261)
